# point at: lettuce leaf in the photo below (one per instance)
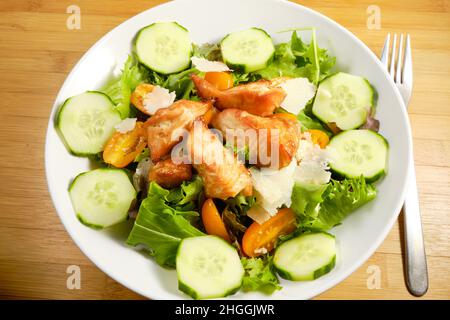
(306, 199)
(342, 198)
(323, 207)
(161, 224)
(308, 123)
(182, 84)
(234, 226)
(188, 195)
(120, 89)
(156, 79)
(209, 51)
(283, 64)
(240, 204)
(183, 199)
(314, 60)
(371, 123)
(259, 275)
(134, 73)
(298, 59)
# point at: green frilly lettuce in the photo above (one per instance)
(259, 275)
(165, 218)
(298, 59)
(321, 207)
(120, 89)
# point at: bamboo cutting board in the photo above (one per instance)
(37, 51)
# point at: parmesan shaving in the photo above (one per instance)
(158, 98)
(126, 125)
(313, 161)
(273, 188)
(258, 214)
(298, 92)
(204, 65)
(260, 250)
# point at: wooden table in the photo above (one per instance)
(37, 52)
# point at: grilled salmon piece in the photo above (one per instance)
(168, 174)
(165, 127)
(260, 98)
(223, 175)
(281, 136)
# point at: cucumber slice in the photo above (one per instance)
(344, 99)
(208, 267)
(86, 122)
(164, 47)
(306, 257)
(102, 197)
(359, 152)
(248, 50)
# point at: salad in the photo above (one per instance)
(233, 159)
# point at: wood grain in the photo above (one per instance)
(37, 51)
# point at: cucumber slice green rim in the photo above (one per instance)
(85, 126)
(315, 275)
(306, 257)
(208, 267)
(164, 47)
(247, 50)
(359, 152)
(102, 197)
(195, 295)
(344, 99)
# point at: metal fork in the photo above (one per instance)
(415, 258)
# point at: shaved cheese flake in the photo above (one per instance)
(258, 214)
(260, 250)
(313, 163)
(298, 92)
(273, 188)
(312, 173)
(158, 98)
(309, 151)
(126, 125)
(204, 65)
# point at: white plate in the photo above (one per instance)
(208, 21)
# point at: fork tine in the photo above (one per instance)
(398, 73)
(407, 68)
(385, 52)
(392, 67)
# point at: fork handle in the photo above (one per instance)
(416, 262)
